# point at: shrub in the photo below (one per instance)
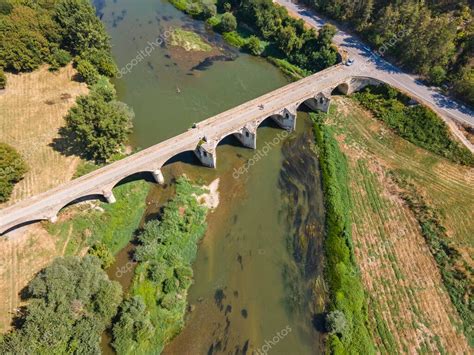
(12, 169)
(87, 72)
(59, 58)
(228, 23)
(103, 253)
(234, 39)
(3, 79)
(336, 322)
(208, 10)
(253, 45)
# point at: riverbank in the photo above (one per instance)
(285, 42)
(347, 319)
(409, 307)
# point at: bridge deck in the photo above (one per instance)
(47, 204)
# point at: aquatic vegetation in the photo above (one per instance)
(163, 276)
(189, 41)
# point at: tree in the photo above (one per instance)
(133, 326)
(336, 322)
(254, 46)
(3, 79)
(287, 40)
(70, 303)
(12, 169)
(87, 72)
(209, 9)
(228, 23)
(103, 253)
(437, 75)
(99, 127)
(325, 35)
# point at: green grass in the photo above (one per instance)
(346, 289)
(293, 72)
(114, 227)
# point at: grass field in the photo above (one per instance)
(409, 308)
(31, 111)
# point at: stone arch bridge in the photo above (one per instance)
(242, 122)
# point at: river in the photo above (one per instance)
(258, 270)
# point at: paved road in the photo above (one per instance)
(368, 62)
(101, 181)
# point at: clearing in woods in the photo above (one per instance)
(409, 308)
(32, 109)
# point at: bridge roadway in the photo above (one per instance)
(100, 182)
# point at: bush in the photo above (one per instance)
(336, 322)
(234, 39)
(103, 253)
(208, 10)
(59, 58)
(12, 169)
(3, 79)
(228, 23)
(437, 75)
(253, 45)
(87, 72)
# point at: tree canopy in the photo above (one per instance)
(69, 305)
(433, 38)
(12, 169)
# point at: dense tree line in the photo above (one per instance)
(12, 169)
(47, 31)
(433, 38)
(56, 32)
(287, 38)
(70, 303)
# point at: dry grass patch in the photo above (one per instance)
(410, 309)
(32, 109)
(22, 255)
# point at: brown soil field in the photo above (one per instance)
(32, 109)
(409, 308)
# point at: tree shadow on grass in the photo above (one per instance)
(67, 144)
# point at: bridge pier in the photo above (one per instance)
(109, 196)
(206, 154)
(248, 136)
(158, 176)
(320, 102)
(286, 119)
